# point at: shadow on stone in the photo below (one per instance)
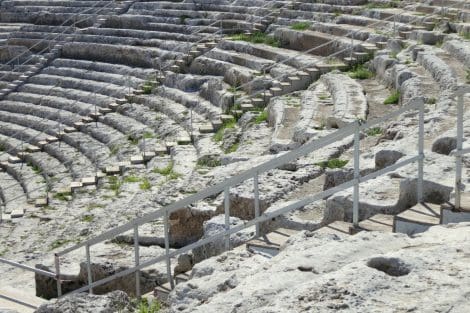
(390, 266)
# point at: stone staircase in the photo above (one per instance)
(18, 301)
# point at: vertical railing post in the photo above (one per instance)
(352, 47)
(88, 268)
(57, 273)
(136, 260)
(458, 157)
(420, 187)
(357, 148)
(256, 192)
(167, 250)
(227, 216)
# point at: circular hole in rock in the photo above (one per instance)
(390, 266)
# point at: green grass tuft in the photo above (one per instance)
(394, 98)
(333, 163)
(360, 72)
(145, 184)
(257, 37)
(144, 306)
(301, 25)
(167, 171)
(115, 184)
(208, 163)
(374, 131)
(262, 117)
(58, 243)
(219, 135)
(131, 179)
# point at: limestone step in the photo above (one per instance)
(270, 244)
(340, 228)
(378, 222)
(417, 219)
(18, 300)
(161, 292)
(449, 214)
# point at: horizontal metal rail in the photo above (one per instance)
(272, 164)
(263, 218)
(28, 268)
(253, 173)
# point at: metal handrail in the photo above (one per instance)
(353, 128)
(28, 268)
(460, 152)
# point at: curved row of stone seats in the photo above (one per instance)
(73, 164)
(30, 179)
(74, 115)
(84, 150)
(12, 197)
(349, 101)
(40, 38)
(190, 123)
(230, 16)
(78, 13)
(6, 29)
(331, 102)
(446, 70)
(54, 172)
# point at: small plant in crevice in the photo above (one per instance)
(374, 131)
(467, 76)
(431, 100)
(333, 163)
(465, 35)
(131, 179)
(167, 171)
(360, 72)
(257, 37)
(115, 184)
(301, 25)
(58, 243)
(133, 140)
(143, 305)
(148, 87)
(145, 184)
(262, 117)
(394, 98)
(183, 19)
(232, 148)
(219, 135)
(208, 162)
(88, 218)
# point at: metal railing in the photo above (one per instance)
(354, 129)
(460, 151)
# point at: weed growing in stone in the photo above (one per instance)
(301, 25)
(394, 98)
(145, 184)
(360, 72)
(219, 135)
(262, 117)
(374, 131)
(333, 163)
(257, 37)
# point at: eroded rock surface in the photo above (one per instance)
(368, 272)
